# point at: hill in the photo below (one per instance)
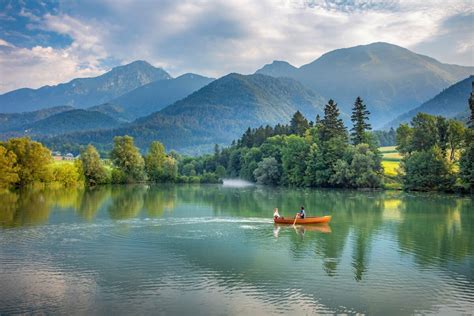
(391, 79)
(156, 95)
(451, 102)
(70, 121)
(83, 92)
(218, 113)
(12, 121)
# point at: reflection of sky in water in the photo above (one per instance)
(214, 249)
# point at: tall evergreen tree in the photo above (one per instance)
(298, 124)
(332, 125)
(360, 118)
(471, 107)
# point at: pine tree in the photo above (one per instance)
(299, 124)
(360, 118)
(332, 125)
(471, 107)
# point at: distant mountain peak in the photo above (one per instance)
(278, 68)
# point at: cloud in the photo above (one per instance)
(38, 66)
(217, 37)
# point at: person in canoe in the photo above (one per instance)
(301, 214)
(275, 213)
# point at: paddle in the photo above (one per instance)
(296, 217)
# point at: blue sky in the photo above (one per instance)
(48, 42)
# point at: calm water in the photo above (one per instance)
(214, 250)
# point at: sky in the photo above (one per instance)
(49, 42)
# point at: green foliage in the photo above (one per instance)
(455, 137)
(92, 167)
(68, 174)
(385, 138)
(404, 139)
(268, 171)
(154, 162)
(298, 124)
(425, 132)
(32, 160)
(427, 170)
(127, 159)
(293, 156)
(332, 125)
(467, 161)
(8, 168)
(249, 163)
(170, 169)
(360, 118)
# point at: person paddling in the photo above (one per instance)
(301, 214)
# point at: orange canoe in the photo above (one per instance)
(306, 220)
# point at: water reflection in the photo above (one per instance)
(227, 234)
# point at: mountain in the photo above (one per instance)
(83, 92)
(156, 95)
(11, 121)
(218, 113)
(451, 102)
(391, 79)
(71, 121)
(278, 68)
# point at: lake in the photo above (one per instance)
(213, 249)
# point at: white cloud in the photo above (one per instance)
(217, 37)
(38, 66)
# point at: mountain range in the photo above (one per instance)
(217, 113)
(390, 79)
(83, 92)
(192, 112)
(156, 95)
(451, 102)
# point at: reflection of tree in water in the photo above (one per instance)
(158, 199)
(127, 201)
(8, 208)
(437, 229)
(92, 199)
(25, 207)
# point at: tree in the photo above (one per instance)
(404, 139)
(467, 161)
(442, 126)
(427, 170)
(365, 169)
(332, 125)
(67, 174)
(189, 170)
(314, 162)
(170, 169)
(293, 158)
(92, 167)
(455, 137)
(8, 168)
(425, 132)
(268, 171)
(360, 118)
(471, 107)
(298, 124)
(154, 161)
(251, 157)
(127, 159)
(32, 160)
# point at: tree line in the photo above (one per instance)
(438, 153)
(322, 153)
(24, 162)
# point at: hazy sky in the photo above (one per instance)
(44, 42)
